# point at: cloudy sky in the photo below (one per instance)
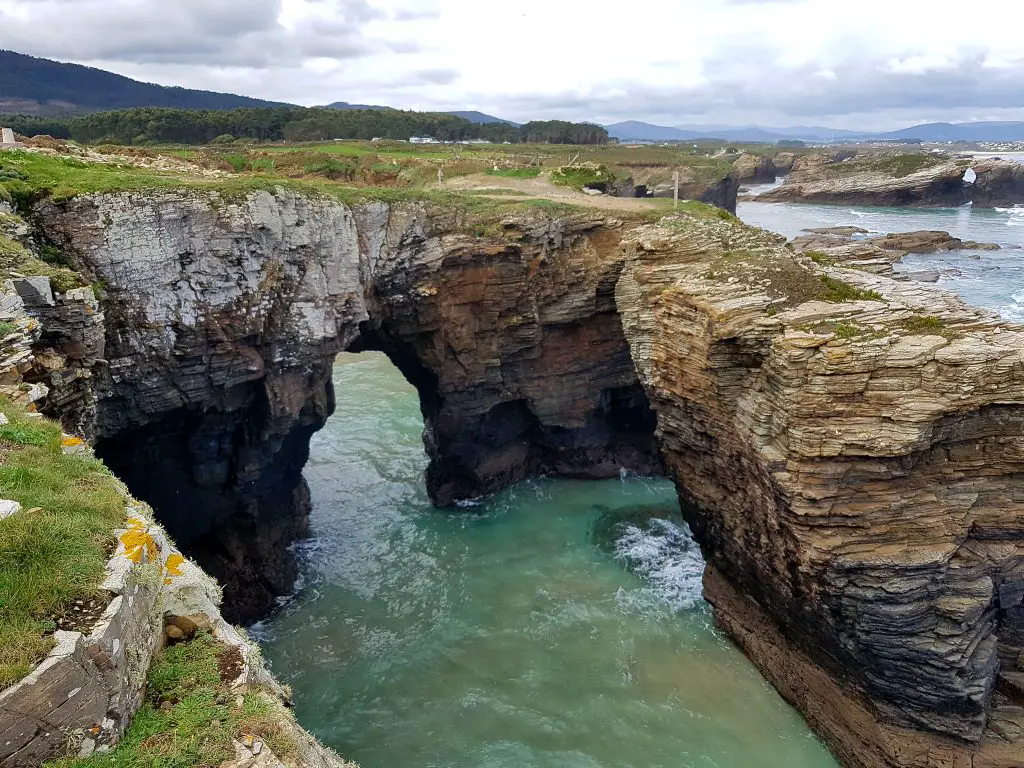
(868, 64)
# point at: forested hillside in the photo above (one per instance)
(41, 86)
(179, 126)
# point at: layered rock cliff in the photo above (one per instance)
(901, 180)
(853, 472)
(223, 318)
(847, 447)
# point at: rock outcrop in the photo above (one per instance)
(852, 471)
(754, 168)
(847, 447)
(901, 180)
(80, 698)
(223, 318)
(720, 191)
(845, 246)
(882, 181)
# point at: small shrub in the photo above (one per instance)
(262, 165)
(837, 292)
(224, 138)
(26, 433)
(925, 325)
(238, 163)
(585, 176)
(848, 331)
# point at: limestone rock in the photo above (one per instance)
(8, 508)
(754, 168)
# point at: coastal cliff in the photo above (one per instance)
(847, 447)
(223, 318)
(901, 180)
(852, 471)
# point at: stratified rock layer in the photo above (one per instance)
(852, 467)
(853, 472)
(224, 317)
(901, 180)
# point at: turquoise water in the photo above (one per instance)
(990, 279)
(559, 624)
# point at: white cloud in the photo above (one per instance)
(880, 64)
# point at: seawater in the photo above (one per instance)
(558, 624)
(990, 279)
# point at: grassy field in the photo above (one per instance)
(54, 551)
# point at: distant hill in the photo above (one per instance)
(481, 118)
(981, 131)
(29, 85)
(633, 130)
(346, 105)
(637, 131)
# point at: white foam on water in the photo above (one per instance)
(668, 559)
(1015, 311)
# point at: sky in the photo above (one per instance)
(862, 64)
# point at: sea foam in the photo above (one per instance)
(664, 554)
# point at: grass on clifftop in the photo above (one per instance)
(60, 178)
(54, 551)
(190, 717)
(897, 166)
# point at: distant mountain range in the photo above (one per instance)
(30, 85)
(480, 118)
(633, 130)
(474, 117)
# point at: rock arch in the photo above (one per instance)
(857, 494)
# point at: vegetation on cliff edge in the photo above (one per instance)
(53, 552)
(191, 717)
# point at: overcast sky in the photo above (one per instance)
(866, 64)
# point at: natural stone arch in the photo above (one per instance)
(822, 473)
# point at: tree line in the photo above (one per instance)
(154, 125)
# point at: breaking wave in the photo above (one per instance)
(664, 554)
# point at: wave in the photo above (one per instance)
(665, 555)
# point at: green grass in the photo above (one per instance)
(581, 177)
(14, 257)
(190, 718)
(515, 173)
(837, 292)
(928, 325)
(897, 166)
(6, 329)
(53, 551)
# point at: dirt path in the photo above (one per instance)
(541, 187)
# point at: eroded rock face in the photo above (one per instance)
(755, 168)
(901, 180)
(853, 470)
(872, 181)
(224, 317)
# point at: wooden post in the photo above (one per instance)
(440, 175)
(675, 190)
